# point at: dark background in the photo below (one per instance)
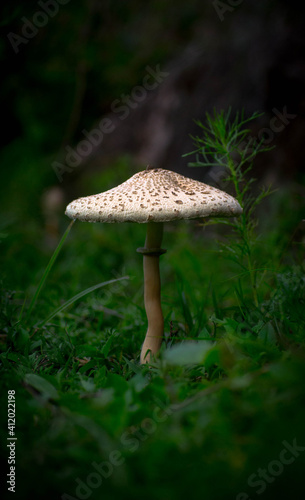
(66, 76)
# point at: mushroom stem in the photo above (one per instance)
(152, 288)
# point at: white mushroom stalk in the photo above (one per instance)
(152, 290)
(154, 196)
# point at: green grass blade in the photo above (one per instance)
(78, 296)
(48, 269)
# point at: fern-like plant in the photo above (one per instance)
(228, 144)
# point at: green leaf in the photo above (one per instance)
(21, 339)
(41, 385)
(85, 351)
(118, 383)
(188, 353)
(87, 384)
(87, 366)
(48, 269)
(231, 326)
(267, 334)
(106, 348)
(77, 297)
(17, 358)
(100, 377)
(134, 367)
(212, 358)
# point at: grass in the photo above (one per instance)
(211, 416)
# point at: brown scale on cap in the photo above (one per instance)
(153, 195)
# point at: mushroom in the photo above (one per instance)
(154, 196)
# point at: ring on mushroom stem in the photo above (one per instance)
(154, 196)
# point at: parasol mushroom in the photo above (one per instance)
(154, 196)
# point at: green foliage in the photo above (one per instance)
(214, 407)
(227, 143)
(48, 269)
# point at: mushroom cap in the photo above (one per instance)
(155, 195)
